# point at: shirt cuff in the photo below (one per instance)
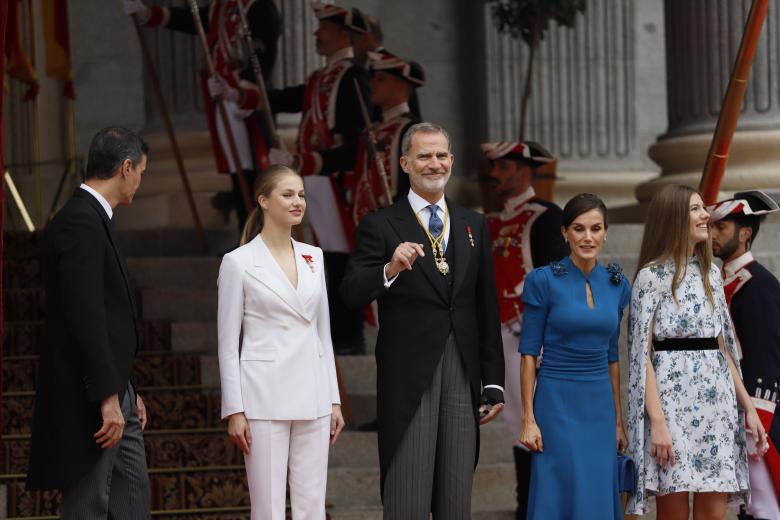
(495, 386)
(389, 282)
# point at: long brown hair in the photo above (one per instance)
(264, 185)
(667, 235)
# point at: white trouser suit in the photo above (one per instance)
(283, 378)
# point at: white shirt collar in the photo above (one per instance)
(396, 111)
(343, 54)
(100, 198)
(511, 204)
(731, 268)
(418, 203)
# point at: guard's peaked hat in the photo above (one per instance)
(529, 151)
(752, 202)
(351, 19)
(410, 71)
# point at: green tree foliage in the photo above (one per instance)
(529, 20)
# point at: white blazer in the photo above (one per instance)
(284, 369)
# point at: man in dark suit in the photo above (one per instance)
(87, 430)
(440, 363)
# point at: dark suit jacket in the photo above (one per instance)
(418, 312)
(89, 341)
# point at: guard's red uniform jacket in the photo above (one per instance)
(221, 22)
(367, 192)
(328, 134)
(526, 234)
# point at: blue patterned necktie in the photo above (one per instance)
(435, 225)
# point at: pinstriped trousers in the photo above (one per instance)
(117, 486)
(432, 469)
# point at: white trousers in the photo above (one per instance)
(763, 500)
(297, 450)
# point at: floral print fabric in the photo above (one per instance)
(695, 387)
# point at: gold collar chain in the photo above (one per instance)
(437, 244)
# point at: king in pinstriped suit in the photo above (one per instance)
(440, 365)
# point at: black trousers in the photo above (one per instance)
(523, 472)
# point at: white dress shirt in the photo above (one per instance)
(420, 207)
(101, 199)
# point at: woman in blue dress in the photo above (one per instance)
(573, 422)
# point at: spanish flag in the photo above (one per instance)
(18, 65)
(57, 43)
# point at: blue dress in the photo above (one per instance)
(575, 477)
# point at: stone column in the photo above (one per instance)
(597, 98)
(702, 40)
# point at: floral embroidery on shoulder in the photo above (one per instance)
(615, 273)
(557, 268)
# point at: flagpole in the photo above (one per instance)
(36, 137)
(718, 154)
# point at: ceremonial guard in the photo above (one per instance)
(753, 295)
(327, 140)
(379, 180)
(525, 235)
(234, 81)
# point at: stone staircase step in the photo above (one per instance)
(23, 304)
(166, 304)
(184, 448)
(349, 489)
(174, 407)
(151, 368)
(174, 272)
(171, 210)
(23, 337)
(176, 242)
(210, 447)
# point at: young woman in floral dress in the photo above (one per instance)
(687, 406)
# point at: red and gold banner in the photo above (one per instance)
(56, 37)
(3, 19)
(18, 64)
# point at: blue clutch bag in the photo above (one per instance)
(627, 476)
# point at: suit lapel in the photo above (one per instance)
(266, 271)
(460, 237)
(308, 276)
(109, 227)
(408, 229)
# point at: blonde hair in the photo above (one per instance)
(667, 235)
(265, 183)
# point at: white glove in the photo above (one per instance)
(219, 88)
(138, 9)
(279, 156)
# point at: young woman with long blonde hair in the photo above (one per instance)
(276, 363)
(687, 406)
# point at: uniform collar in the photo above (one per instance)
(418, 203)
(511, 205)
(100, 198)
(347, 53)
(394, 112)
(731, 268)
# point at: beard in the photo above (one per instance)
(727, 250)
(430, 185)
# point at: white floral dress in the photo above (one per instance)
(695, 387)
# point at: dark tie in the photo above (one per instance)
(435, 225)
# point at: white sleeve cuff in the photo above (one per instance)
(495, 386)
(389, 282)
